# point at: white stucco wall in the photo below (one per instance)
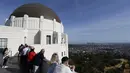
(14, 36)
(48, 25)
(33, 23)
(30, 36)
(16, 33)
(50, 49)
(18, 22)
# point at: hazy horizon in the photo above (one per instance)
(103, 43)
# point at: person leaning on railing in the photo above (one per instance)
(72, 65)
(40, 62)
(20, 49)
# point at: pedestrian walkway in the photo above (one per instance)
(13, 66)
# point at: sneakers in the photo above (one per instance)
(4, 66)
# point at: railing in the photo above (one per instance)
(10, 53)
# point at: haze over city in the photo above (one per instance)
(85, 20)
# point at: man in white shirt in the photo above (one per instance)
(64, 67)
(25, 50)
(24, 60)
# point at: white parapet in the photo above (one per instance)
(12, 21)
(25, 21)
(41, 22)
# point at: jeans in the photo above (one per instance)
(5, 61)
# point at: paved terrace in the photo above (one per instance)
(13, 66)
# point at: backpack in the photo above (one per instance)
(31, 55)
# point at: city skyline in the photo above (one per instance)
(85, 20)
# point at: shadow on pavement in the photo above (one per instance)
(13, 70)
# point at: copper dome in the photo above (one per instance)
(35, 10)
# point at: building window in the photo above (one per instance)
(37, 38)
(62, 54)
(63, 38)
(3, 42)
(48, 39)
(55, 38)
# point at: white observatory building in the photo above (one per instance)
(35, 25)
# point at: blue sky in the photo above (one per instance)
(85, 20)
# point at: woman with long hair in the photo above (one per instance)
(54, 62)
(5, 57)
(55, 58)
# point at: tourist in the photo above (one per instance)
(24, 60)
(44, 66)
(38, 59)
(64, 67)
(20, 49)
(31, 56)
(71, 65)
(26, 50)
(54, 62)
(6, 54)
(127, 68)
